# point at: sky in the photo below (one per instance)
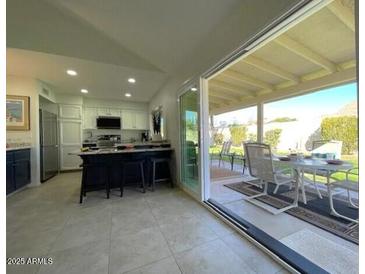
(324, 102)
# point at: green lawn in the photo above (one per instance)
(339, 176)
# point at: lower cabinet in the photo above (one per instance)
(10, 184)
(17, 169)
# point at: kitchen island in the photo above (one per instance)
(105, 166)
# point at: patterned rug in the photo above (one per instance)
(316, 211)
(218, 173)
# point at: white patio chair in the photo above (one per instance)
(343, 185)
(260, 164)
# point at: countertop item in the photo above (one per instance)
(117, 151)
(17, 148)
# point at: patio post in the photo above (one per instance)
(260, 122)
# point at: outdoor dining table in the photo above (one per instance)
(298, 165)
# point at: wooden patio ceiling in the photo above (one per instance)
(315, 53)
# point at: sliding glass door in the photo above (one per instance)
(189, 140)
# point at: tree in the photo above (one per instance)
(272, 137)
(238, 134)
(341, 128)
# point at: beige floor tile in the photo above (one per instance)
(165, 266)
(82, 232)
(132, 222)
(136, 250)
(30, 243)
(91, 258)
(257, 259)
(213, 258)
(187, 233)
(21, 269)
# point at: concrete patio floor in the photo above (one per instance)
(279, 226)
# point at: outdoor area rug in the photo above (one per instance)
(316, 211)
(218, 173)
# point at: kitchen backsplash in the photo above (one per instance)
(126, 135)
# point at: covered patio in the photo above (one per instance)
(301, 58)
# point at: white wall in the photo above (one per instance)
(167, 98)
(27, 87)
(246, 21)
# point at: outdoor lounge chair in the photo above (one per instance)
(343, 185)
(260, 164)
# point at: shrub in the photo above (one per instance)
(342, 128)
(218, 138)
(283, 120)
(272, 137)
(252, 137)
(238, 134)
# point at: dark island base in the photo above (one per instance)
(103, 168)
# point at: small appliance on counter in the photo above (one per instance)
(105, 141)
(144, 136)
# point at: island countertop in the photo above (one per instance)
(119, 151)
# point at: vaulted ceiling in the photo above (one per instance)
(109, 41)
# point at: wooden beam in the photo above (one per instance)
(270, 68)
(332, 79)
(231, 88)
(240, 77)
(305, 52)
(343, 13)
(218, 100)
(348, 64)
(315, 75)
(223, 95)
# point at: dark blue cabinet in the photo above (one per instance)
(17, 169)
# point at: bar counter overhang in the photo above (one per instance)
(107, 165)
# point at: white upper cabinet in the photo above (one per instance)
(132, 119)
(90, 115)
(114, 112)
(108, 112)
(128, 119)
(70, 112)
(141, 120)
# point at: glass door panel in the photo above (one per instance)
(189, 140)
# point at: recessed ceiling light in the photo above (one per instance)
(131, 80)
(71, 72)
(84, 90)
(194, 89)
(127, 95)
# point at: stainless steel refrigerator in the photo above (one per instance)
(49, 152)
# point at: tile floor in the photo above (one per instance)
(158, 232)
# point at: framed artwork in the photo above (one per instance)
(17, 113)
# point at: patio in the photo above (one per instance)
(286, 226)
